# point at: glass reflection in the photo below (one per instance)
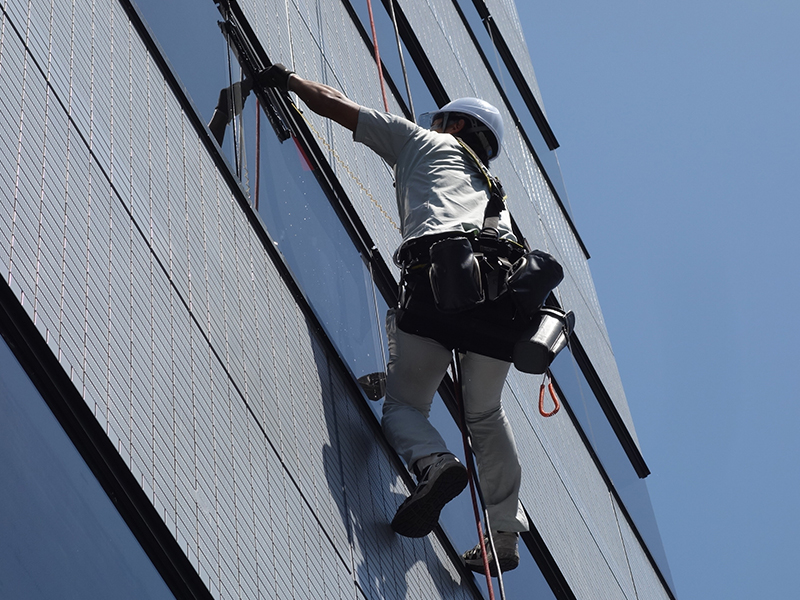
(61, 536)
(323, 260)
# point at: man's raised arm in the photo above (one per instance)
(322, 99)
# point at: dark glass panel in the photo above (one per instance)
(61, 535)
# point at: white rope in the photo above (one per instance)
(402, 61)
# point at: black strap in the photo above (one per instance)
(496, 204)
(494, 208)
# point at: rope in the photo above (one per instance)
(456, 368)
(474, 486)
(402, 61)
(481, 167)
(377, 55)
(553, 395)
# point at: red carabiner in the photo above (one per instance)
(553, 395)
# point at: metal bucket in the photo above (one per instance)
(541, 343)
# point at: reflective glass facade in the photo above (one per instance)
(217, 346)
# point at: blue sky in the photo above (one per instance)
(679, 129)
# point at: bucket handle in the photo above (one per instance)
(553, 395)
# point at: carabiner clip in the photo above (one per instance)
(553, 395)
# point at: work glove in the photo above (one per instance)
(275, 76)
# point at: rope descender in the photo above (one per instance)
(553, 395)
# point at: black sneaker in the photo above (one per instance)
(442, 481)
(507, 553)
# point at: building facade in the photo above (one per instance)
(184, 326)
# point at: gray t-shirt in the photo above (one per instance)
(439, 187)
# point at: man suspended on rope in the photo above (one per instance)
(441, 190)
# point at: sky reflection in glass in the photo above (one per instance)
(60, 534)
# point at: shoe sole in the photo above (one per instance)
(506, 564)
(419, 519)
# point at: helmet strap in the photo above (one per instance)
(487, 147)
(473, 128)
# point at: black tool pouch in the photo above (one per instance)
(547, 335)
(488, 328)
(455, 275)
(532, 279)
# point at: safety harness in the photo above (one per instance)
(477, 292)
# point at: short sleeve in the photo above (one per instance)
(384, 133)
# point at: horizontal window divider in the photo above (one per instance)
(606, 403)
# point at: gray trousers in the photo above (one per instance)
(415, 370)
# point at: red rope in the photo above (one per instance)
(553, 395)
(377, 55)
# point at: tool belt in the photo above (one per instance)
(484, 294)
(475, 294)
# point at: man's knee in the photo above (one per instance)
(492, 415)
(396, 406)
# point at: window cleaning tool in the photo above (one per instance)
(252, 65)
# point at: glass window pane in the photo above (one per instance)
(320, 254)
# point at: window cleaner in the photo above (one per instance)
(443, 192)
(442, 195)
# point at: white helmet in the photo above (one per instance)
(484, 112)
